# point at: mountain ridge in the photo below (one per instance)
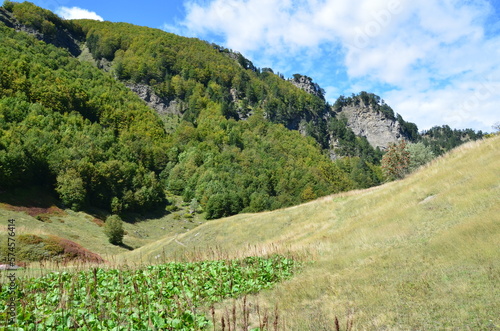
(233, 138)
(67, 38)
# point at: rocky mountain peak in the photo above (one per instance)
(306, 83)
(379, 130)
(370, 117)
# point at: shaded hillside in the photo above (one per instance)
(43, 24)
(421, 253)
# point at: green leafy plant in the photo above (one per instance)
(419, 155)
(168, 296)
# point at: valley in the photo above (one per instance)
(242, 199)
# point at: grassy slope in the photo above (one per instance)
(421, 253)
(83, 228)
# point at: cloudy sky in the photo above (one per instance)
(433, 61)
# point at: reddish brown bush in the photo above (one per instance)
(73, 251)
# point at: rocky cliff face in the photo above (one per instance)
(159, 104)
(379, 130)
(366, 115)
(306, 83)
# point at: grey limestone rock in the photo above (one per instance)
(305, 83)
(161, 105)
(379, 130)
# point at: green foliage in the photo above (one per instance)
(409, 130)
(419, 155)
(161, 297)
(38, 18)
(69, 126)
(396, 161)
(442, 138)
(113, 228)
(361, 172)
(194, 206)
(226, 164)
(271, 170)
(193, 72)
(71, 189)
(368, 100)
(8, 5)
(223, 204)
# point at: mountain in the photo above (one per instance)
(443, 138)
(369, 116)
(42, 24)
(119, 117)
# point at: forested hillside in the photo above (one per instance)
(234, 137)
(441, 139)
(68, 126)
(75, 129)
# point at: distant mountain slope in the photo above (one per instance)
(421, 253)
(443, 138)
(76, 130)
(224, 134)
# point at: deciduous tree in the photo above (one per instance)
(396, 161)
(113, 228)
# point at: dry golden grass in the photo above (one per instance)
(421, 253)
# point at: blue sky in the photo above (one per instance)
(433, 61)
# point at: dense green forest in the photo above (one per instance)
(245, 139)
(75, 129)
(68, 126)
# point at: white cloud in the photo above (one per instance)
(77, 13)
(426, 58)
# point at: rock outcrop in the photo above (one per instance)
(364, 121)
(59, 38)
(161, 105)
(306, 83)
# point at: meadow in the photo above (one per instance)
(418, 253)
